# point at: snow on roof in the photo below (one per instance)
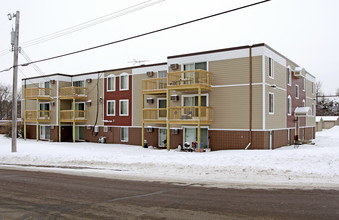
(330, 118)
(302, 111)
(318, 118)
(298, 68)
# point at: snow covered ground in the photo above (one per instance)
(309, 166)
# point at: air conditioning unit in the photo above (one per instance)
(149, 100)
(52, 81)
(174, 131)
(88, 80)
(149, 129)
(174, 66)
(96, 129)
(149, 74)
(174, 97)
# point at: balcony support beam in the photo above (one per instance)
(37, 119)
(168, 139)
(59, 121)
(199, 118)
(73, 120)
(143, 124)
(25, 119)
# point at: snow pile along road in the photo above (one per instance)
(309, 166)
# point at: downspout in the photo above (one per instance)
(250, 99)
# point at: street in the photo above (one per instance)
(40, 195)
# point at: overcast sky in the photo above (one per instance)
(306, 31)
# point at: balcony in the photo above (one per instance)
(155, 115)
(43, 116)
(73, 116)
(154, 86)
(190, 115)
(73, 93)
(187, 80)
(37, 93)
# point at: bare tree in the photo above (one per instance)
(6, 102)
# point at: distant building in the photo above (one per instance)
(233, 98)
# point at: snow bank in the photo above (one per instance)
(308, 166)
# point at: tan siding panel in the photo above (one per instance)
(278, 119)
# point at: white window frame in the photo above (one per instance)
(105, 129)
(297, 91)
(122, 139)
(80, 103)
(84, 85)
(121, 76)
(77, 132)
(120, 101)
(194, 95)
(289, 105)
(110, 101)
(269, 100)
(304, 103)
(161, 71)
(41, 136)
(111, 77)
(289, 76)
(271, 68)
(158, 106)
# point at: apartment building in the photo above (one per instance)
(235, 98)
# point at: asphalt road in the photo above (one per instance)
(39, 195)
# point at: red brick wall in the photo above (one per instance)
(291, 90)
(118, 95)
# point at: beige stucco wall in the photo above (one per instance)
(235, 71)
(278, 119)
(92, 95)
(279, 74)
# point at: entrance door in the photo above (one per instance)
(162, 137)
(80, 133)
(191, 135)
(162, 104)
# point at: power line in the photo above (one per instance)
(144, 34)
(86, 24)
(91, 23)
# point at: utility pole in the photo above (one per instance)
(15, 47)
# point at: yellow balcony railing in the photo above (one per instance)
(73, 92)
(190, 114)
(155, 85)
(34, 93)
(73, 115)
(155, 115)
(189, 79)
(43, 115)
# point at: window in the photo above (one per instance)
(289, 76)
(304, 104)
(124, 81)
(124, 134)
(105, 129)
(313, 109)
(162, 74)
(270, 68)
(44, 110)
(297, 91)
(270, 103)
(79, 83)
(289, 105)
(110, 108)
(303, 85)
(195, 66)
(312, 87)
(123, 107)
(45, 132)
(45, 88)
(111, 83)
